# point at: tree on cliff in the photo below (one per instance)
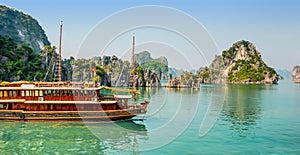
(49, 58)
(19, 62)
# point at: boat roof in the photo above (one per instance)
(57, 102)
(50, 88)
(26, 85)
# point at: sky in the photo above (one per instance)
(272, 25)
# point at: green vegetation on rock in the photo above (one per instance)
(246, 72)
(158, 65)
(241, 63)
(19, 62)
(155, 66)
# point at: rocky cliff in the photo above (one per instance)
(296, 74)
(241, 63)
(22, 28)
(111, 70)
(184, 80)
(158, 65)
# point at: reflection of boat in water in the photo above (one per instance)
(121, 135)
(67, 137)
(65, 101)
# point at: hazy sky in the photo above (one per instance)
(273, 26)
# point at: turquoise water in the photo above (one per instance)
(216, 119)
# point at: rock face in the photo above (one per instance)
(296, 74)
(22, 28)
(241, 63)
(152, 79)
(158, 65)
(112, 71)
(185, 80)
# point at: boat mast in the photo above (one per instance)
(59, 56)
(132, 61)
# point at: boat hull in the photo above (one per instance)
(106, 115)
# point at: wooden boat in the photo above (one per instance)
(64, 101)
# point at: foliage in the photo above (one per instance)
(139, 71)
(19, 62)
(229, 54)
(99, 70)
(49, 58)
(155, 66)
(205, 74)
(96, 79)
(243, 70)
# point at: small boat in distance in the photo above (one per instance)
(65, 101)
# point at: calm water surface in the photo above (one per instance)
(250, 119)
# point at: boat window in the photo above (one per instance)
(58, 93)
(74, 92)
(14, 93)
(1, 106)
(9, 93)
(54, 92)
(65, 93)
(49, 92)
(28, 93)
(41, 93)
(92, 93)
(36, 93)
(81, 93)
(5, 93)
(1, 94)
(22, 93)
(32, 93)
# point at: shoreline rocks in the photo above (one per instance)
(296, 74)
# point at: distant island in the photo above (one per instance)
(241, 63)
(296, 74)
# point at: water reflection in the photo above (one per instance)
(123, 136)
(242, 107)
(184, 90)
(69, 137)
